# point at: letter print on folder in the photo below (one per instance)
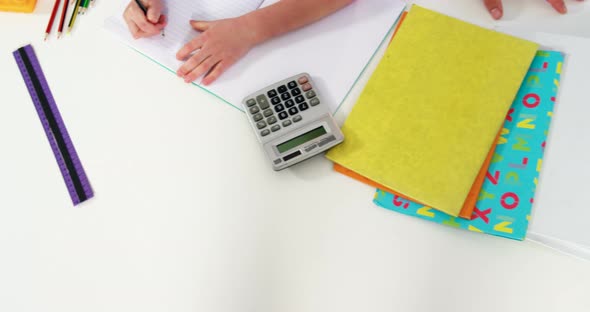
(506, 199)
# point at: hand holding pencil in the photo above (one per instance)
(144, 18)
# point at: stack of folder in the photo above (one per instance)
(451, 126)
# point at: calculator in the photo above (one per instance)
(291, 121)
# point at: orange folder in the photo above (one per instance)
(470, 201)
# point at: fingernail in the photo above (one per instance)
(496, 13)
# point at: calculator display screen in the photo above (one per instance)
(306, 137)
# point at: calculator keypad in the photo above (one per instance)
(282, 104)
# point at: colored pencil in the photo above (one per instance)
(63, 19)
(51, 19)
(74, 14)
(84, 6)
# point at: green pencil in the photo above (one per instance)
(74, 14)
(84, 6)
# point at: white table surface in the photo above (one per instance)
(188, 215)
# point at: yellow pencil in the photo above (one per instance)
(74, 14)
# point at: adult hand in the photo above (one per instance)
(141, 25)
(219, 45)
(496, 9)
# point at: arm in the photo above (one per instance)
(288, 15)
(224, 42)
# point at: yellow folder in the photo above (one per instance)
(431, 110)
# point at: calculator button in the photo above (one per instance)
(310, 147)
(272, 93)
(326, 140)
(279, 108)
(289, 103)
(285, 96)
(271, 120)
(292, 84)
(299, 99)
(263, 103)
(297, 118)
(303, 106)
(261, 124)
(277, 161)
(275, 100)
(306, 87)
(268, 113)
(295, 92)
(250, 102)
(265, 132)
(286, 123)
(275, 128)
(282, 89)
(283, 115)
(258, 117)
(314, 102)
(310, 94)
(293, 111)
(302, 80)
(254, 110)
(260, 98)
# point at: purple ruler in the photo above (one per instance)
(57, 134)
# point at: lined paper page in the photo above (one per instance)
(334, 50)
(162, 49)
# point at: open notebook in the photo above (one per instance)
(334, 51)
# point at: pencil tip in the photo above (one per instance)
(58, 35)
(46, 35)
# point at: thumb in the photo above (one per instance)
(199, 25)
(154, 11)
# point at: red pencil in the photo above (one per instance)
(55, 6)
(63, 19)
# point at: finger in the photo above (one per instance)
(146, 26)
(134, 14)
(199, 25)
(154, 11)
(217, 70)
(558, 5)
(189, 48)
(133, 29)
(203, 68)
(193, 62)
(495, 8)
(163, 20)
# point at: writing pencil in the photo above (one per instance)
(144, 10)
(50, 23)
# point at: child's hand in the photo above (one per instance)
(220, 45)
(141, 25)
(496, 9)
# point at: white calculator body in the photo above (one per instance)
(291, 121)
